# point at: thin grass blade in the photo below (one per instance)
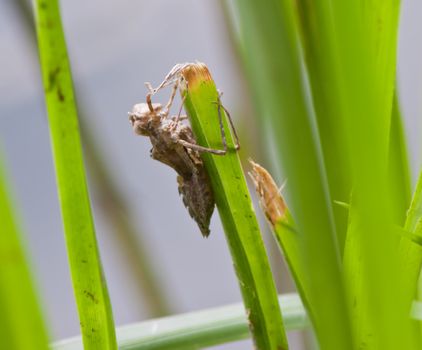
(89, 285)
(398, 164)
(283, 228)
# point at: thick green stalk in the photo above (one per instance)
(236, 211)
(365, 49)
(274, 62)
(350, 54)
(317, 37)
(21, 323)
(197, 329)
(89, 285)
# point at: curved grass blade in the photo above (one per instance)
(89, 285)
(197, 329)
(398, 164)
(236, 211)
(283, 228)
(21, 323)
(414, 214)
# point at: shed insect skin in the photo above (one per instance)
(270, 199)
(175, 145)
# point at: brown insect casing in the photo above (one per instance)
(198, 198)
(194, 185)
(193, 182)
(270, 198)
(174, 143)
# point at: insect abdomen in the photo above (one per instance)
(198, 198)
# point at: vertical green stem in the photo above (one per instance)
(365, 52)
(90, 289)
(236, 212)
(317, 38)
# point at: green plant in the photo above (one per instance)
(235, 208)
(323, 79)
(21, 323)
(91, 293)
(339, 139)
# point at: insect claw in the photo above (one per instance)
(150, 88)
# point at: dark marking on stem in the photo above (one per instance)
(91, 296)
(52, 78)
(60, 94)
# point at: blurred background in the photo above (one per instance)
(140, 220)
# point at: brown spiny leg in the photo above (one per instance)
(220, 105)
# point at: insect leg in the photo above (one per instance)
(220, 120)
(172, 96)
(171, 77)
(153, 91)
(164, 113)
(223, 135)
(179, 116)
(199, 148)
(149, 94)
(149, 102)
(237, 144)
